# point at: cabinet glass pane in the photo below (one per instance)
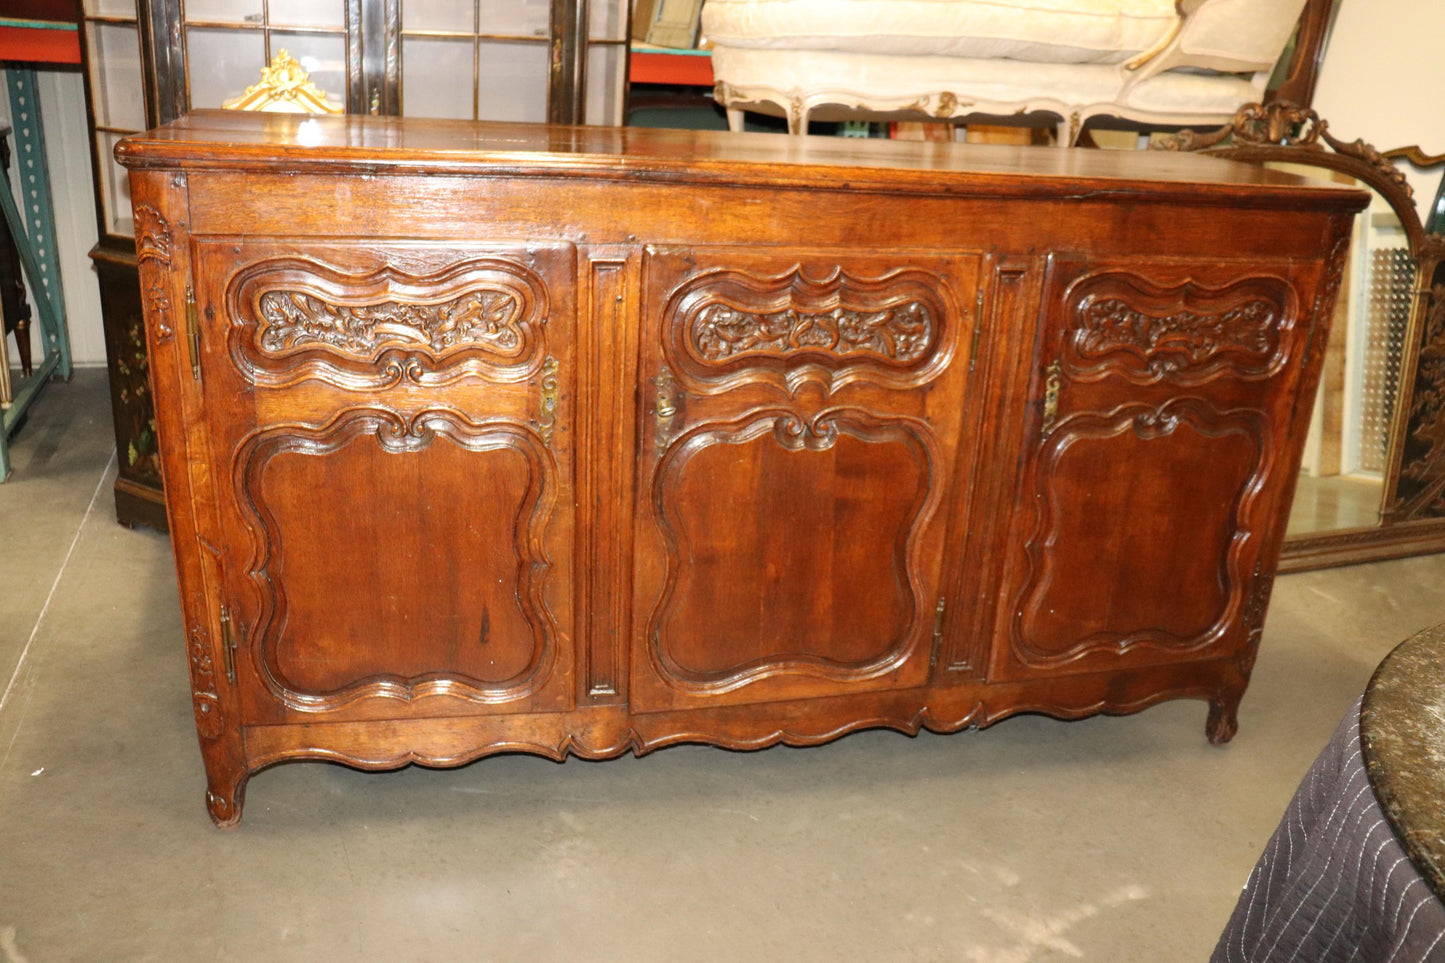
(528, 18)
(607, 20)
(436, 77)
(115, 62)
(224, 11)
(458, 15)
(604, 84)
(110, 8)
(223, 64)
(323, 56)
(512, 83)
(307, 13)
(114, 188)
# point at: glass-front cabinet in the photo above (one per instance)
(149, 61)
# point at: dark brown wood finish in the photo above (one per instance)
(373, 86)
(486, 438)
(1412, 509)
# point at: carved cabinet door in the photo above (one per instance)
(393, 469)
(1159, 454)
(800, 426)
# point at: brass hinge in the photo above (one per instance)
(938, 612)
(1053, 384)
(193, 333)
(977, 330)
(228, 645)
(667, 403)
(547, 415)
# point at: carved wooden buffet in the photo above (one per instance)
(484, 438)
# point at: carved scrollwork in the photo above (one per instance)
(1045, 553)
(903, 332)
(794, 328)
(796, 434)
(912, 444)
(1185, 334)
(1422, 472)
(292, 319)
(153, 255)
(1283, 124)
(204, 697)
(1328, 293)
(296, 318)
(396, 434)
(1261, 585)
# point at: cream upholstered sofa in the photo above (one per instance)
(1158, 62)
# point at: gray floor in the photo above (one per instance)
(1112, 839)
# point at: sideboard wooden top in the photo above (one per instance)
(233, 140)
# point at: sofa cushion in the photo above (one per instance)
(1048, 31)
(887, 82)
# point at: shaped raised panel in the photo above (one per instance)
(795, 477)
(730, 319)
(1187, 332)
(399, 558)
(419, 315)
(1145, 528)
(794, 546)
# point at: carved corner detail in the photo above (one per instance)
(204, 696)
(153, 254)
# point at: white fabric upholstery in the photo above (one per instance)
(891, 82)
(1061, 31)
(961, 58)
(1241, 34)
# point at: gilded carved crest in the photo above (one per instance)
(285, 87)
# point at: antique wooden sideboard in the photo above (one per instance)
(487, 438)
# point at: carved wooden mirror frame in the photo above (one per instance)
(1412, 508)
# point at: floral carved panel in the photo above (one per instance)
(296, 317)
(728, 325)
(1188, 333)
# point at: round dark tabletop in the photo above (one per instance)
(1402, 733)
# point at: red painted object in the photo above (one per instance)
(40, 44)
(685, 69)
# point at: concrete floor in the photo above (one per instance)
(1111, 839)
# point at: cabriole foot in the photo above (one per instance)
(1223, 719)
(225, 806)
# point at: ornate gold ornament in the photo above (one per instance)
(285, 88)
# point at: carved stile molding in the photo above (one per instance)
(206, 699)
(153, 254)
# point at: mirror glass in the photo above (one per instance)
(1342, 477)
